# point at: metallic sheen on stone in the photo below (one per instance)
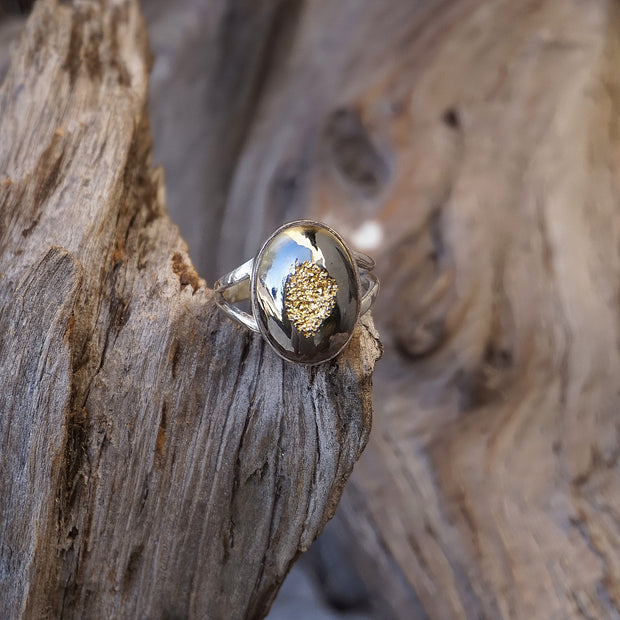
(305, 292)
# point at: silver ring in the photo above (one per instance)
(307, 291)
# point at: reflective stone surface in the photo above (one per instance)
(305, 292)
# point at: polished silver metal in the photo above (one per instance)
(306, 288)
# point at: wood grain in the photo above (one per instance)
(480, 139)
(155, 460)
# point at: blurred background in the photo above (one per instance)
(471, 147)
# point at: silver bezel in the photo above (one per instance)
(254, 302)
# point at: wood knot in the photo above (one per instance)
(452, 118)
(354, 154)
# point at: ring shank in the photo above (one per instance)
(370, 287)
(235, 287)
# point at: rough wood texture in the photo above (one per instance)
(155, 460)
(482, 137)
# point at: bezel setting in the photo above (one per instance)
(326, 249)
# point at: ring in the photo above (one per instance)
(306, 289)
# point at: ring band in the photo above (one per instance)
(307, 291)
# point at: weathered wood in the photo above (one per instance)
(480, 138)
(155, 460)
(492, 482)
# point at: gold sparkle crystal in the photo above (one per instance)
(309, 297)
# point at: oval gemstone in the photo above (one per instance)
(305, 292)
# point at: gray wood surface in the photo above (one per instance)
(155, 459)
(478, 140)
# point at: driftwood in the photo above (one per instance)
(155, 460)
(491, 487)
(480, 137)
(482, 140)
